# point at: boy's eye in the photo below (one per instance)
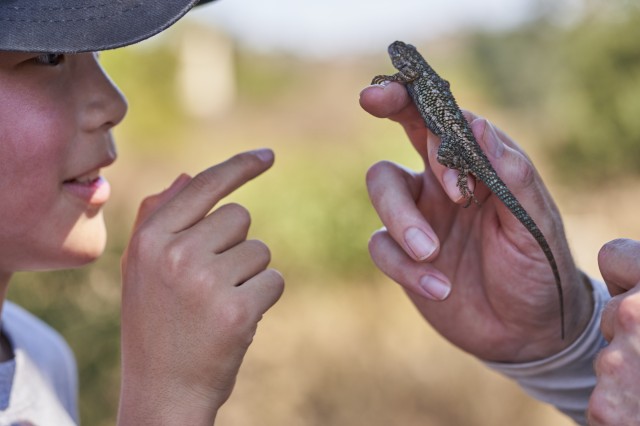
(51, 59)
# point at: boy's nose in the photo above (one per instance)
(105, 105)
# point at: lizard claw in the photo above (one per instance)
(466, 193)
(381, 79)
(471, 197)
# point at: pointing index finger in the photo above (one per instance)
(208, 187)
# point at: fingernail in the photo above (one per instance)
(495, 147)
(434, 287)
(264, 154)
(420, 244)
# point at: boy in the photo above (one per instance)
(193, 287)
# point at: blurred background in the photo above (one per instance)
(344, 346)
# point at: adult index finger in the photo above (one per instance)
(207, 188)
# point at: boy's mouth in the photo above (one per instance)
(85, 179)
(91, 187)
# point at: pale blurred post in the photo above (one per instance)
(206, 74)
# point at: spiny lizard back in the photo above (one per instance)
(458, 149)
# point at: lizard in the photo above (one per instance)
(458, 148)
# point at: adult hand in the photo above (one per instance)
(194, 289)
(616, 397)
(475, 274)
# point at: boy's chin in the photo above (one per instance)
(68, 258)
(85, 245)
(84, 258)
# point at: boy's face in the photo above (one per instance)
(56, 113)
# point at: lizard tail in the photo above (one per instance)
(544, 245)
(509, 200)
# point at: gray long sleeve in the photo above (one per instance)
(566, 379)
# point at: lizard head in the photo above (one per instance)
(404, 56)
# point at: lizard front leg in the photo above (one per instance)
(398, 77)
(405, 75)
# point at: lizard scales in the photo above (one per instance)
(459, 149)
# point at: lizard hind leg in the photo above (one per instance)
(463, 186)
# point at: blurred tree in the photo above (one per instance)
(582, 82)
(147, 76)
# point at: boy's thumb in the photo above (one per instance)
(153, 203)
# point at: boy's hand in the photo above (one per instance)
(194, 289)
(616, 397)
(475, 274)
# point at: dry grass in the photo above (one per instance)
(361, 355)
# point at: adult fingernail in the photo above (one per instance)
(419, 242)
(434, 287)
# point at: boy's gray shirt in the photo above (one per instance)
(40, 385)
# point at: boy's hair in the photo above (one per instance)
(71, 26)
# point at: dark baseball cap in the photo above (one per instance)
(70, 26)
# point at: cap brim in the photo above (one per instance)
(72, 26)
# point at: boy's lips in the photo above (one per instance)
(90, 187)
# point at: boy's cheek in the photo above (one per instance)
(52, 238)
